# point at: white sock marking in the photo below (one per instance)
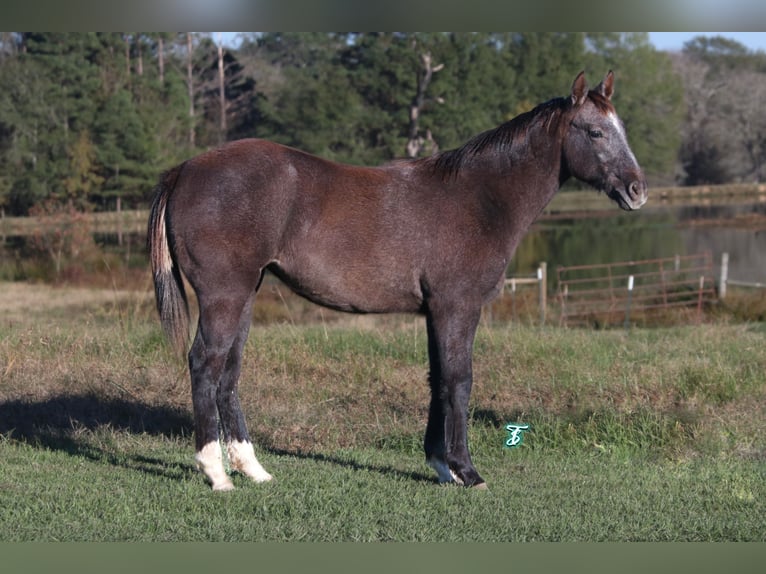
(242, 459)
(210, 462)
(443, 471)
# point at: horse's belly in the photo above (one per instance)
(356, 288)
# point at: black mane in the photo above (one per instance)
(500, 139)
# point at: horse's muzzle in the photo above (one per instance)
(632, 197)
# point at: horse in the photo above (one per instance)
(431, 236)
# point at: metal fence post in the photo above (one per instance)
(513, 299)
(542, 279)
(627, 308)
(565, 294)
(724, 275)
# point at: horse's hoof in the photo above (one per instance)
(223, 486)
(480, 486)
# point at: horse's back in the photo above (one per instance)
(264, 171)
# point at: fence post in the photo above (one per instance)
(724, 275)
(513, 299)
(565, 294)
(627, 308)
(542, 279)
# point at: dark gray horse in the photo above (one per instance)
(430, 236)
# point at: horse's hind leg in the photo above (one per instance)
(219, 330)
(238, 446)
(205, 368)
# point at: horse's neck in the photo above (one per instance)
(521, 186)
(529, 178)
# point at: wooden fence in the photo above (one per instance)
(610, 292)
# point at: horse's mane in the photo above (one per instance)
(501, 139)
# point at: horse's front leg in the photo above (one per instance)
(450, 348)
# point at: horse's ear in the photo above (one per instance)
(606, 87)
(579, 89)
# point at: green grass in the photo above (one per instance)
(150, 493)
(651, 435)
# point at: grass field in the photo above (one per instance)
(651, 435)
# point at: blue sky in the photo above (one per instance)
(661, 40)
(675, 40)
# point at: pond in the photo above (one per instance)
(598, 233)
(612, 235)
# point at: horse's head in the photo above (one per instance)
(596, 148)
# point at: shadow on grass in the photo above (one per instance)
(67, 423)
(350, 463)
(34, 421)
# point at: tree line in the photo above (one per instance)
(89, 120)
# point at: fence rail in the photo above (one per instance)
(609, 292)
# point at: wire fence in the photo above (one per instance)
(611, 292)
(614, 293)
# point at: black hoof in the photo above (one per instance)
(469, 477)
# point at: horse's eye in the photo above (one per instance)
(596, 134)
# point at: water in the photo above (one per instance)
(651, 233)
(567, 238)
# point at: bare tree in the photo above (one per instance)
(741, 114)
(161, 58)
(702, 153)
(139, 55)
(221, 91)
(126, 39)
(725, 129)
(190, 86)
(416, 143)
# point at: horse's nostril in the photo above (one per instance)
(636, 193)
(634, 190)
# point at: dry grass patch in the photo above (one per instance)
(349, 382)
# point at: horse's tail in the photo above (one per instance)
(170, 295)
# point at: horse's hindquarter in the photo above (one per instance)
(227, 211)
